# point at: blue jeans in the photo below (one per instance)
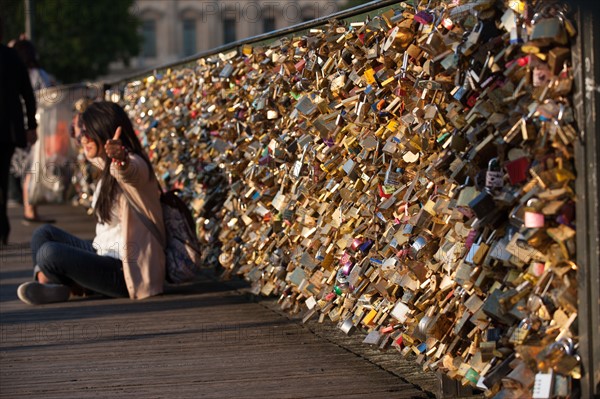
(69, 260)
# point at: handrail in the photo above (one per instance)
(351, 12)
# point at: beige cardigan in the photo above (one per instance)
(143, 256)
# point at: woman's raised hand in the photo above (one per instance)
(114, 148)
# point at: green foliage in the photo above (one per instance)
(78, 39)
(12, 13)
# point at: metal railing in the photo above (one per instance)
(586, 102)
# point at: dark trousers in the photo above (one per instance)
(6, 153)
(69, 260)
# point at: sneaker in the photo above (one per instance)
(34, 293)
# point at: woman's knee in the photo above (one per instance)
(42, 233)
(49, 254)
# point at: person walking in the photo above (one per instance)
(125, 258)
(14, 87)
(39, 79)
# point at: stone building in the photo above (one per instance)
(174, 29)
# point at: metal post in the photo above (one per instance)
(29, 19)
(586, 102)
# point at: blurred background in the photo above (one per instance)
(104, 40)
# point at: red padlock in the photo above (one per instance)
(517, 170)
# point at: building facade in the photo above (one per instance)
(174, 29)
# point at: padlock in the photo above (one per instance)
(532, 217)
(547, 31)
(569, 27)
(424, 17)
(483, 205)
(350, 90)
(521, 331)
(473, 250)
(482, 250)
(517, 170)
(392, 176)
(541, 75)
(559, 356)
(465, 194)
(557, 57)
(297, 169)
(494, 178)
(472, 40)
(434, 45)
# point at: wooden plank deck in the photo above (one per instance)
(205, 340)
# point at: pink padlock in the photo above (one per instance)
(532, 218)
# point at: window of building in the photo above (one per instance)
(229, 33)
(149, 38)
(268, 24)
(189, 37)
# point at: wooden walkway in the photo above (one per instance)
(206, 340)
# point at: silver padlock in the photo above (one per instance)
(494, 177)
(472, 40)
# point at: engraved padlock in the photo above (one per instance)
(494, 177)
(533, 219)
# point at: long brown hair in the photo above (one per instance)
(101, 120)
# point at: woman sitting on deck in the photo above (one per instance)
(124, 259)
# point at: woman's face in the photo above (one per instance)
(90, 148)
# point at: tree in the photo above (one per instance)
(77, 40)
